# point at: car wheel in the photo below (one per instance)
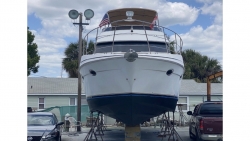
(197, 138)
(59, 138)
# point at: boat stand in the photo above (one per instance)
(168, 129)
(97, 128)
(100, 127)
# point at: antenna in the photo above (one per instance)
(61, 71)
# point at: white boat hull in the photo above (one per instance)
(132, 92)
(146, 75)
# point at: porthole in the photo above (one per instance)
(169, 72)
(92, 72)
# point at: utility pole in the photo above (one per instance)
(79, 97)
(73, 14)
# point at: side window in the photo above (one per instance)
(56, 121)
(195, 109)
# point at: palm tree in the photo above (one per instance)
(198, 67)
(171, 44)
(70, 62)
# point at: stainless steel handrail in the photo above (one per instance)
(177, 45)
(147, 38)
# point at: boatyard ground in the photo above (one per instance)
(114, 133)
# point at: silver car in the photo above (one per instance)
(43, 126)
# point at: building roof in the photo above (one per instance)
(38, 85)
(190, 87)
(68, 86)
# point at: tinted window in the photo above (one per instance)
(40, 120)
(211, 108)
(136, 46)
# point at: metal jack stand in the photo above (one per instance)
(98, 124)
(168, 129)
(165, 126)
(173, 133)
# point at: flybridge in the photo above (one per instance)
(134, 25)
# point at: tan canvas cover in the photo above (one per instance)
(139, 14)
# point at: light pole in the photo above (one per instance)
(73, 14)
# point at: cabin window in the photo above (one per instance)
(184, 102)
(126, 46)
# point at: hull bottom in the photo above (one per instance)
(132, 109)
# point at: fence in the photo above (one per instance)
(61, 111)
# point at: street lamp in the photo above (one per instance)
(73, 14)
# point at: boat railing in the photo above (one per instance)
(173, 41)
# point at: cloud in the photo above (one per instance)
(213, 9)
(177, 13)
(55, 20)
(206, 41)
(208, 1)
(51, 60)
(48, 44)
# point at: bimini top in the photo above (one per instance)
(146, 15)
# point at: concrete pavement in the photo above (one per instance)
(117, 134)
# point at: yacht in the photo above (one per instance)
(136, 69)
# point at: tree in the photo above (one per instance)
(70, 62)
(172, 48)
(198, 66)
(33, 57)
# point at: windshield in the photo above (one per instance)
(138, 46)
(40, 120)
(211, 108)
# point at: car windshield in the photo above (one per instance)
(40, 120)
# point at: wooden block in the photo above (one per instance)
(133, 133)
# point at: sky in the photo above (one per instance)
(198, 22)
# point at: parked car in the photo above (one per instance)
(43, 126)
(206, 122)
